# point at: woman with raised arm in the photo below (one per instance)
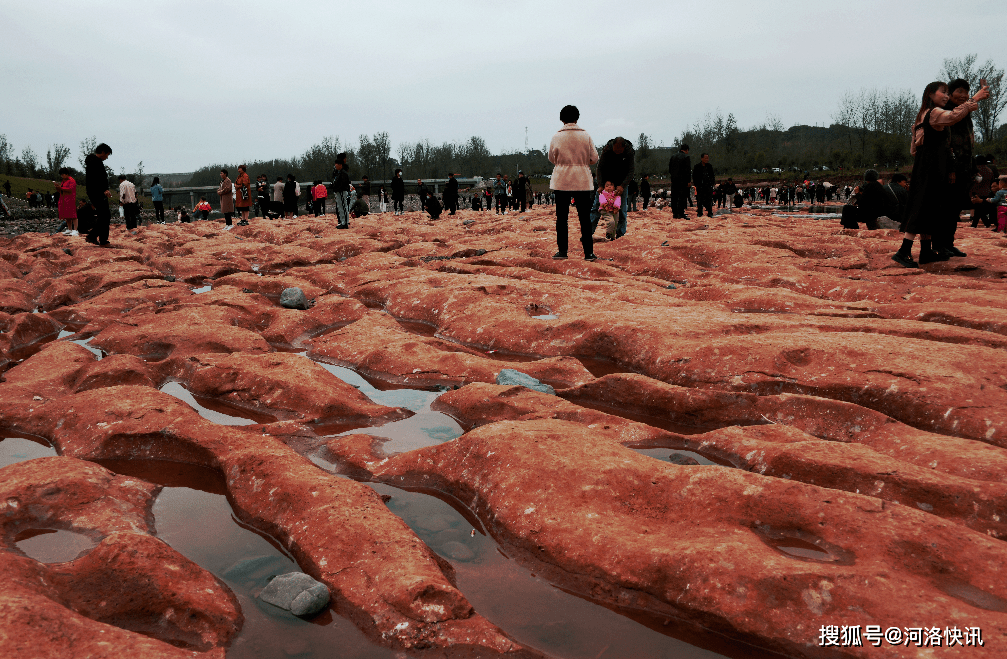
(930, 185)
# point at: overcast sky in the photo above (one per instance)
(182, 84)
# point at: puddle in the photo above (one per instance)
(85, 343)
(425, 428)
(804, 546)
(21, 449)
(193, 516)
(973, 596)
(203, 289)
(417, 327)
(63, 334)
(529, 608)
(679, 457)
(216, 411)
(52, 545)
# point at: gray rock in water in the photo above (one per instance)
(509, 376)
(680, 459)
(169, 277)
(468, 222)
(458, 551)
(297, 593)
(293, 298)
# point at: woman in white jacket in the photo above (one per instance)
(572, 153)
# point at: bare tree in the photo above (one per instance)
(87, 147)
(30, 161)
(55, 156)
(989, 110)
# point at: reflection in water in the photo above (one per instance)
(19, 449)
(52, 545)
(237, 416)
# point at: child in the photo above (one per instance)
(67, 201)
(999, 202)
(203, 208)
(320, 192)
(182, 215)
(609, 204)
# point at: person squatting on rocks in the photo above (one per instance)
(341, 192)
(127, 199)
(67, 204)
(572, 153)
(928, 209)
(872, 201)
(398, 193)
(243, 194)
(703, 178)
(96, 184)
(679, 167)
(616, 164)
(226, 200)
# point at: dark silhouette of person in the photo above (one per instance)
(96, 184)
(451, 194)
(680, 168)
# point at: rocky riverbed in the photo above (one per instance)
(762, 427)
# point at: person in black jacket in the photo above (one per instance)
(341, 192)
(703, 178)
(873, 201)
(262, 195)
(451, 194)
(96, 184)
(616, 164)
(645, 190)
(423, 191)
(365, 191)
(680, 168)
(898, 194)
(432, 206)
(398, 193)
(962, 138)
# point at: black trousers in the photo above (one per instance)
(679, 197)
(583, 200)
(319, 207)
(704, 199)
(263, 207)
(398, 206)
(986, 213)
(524, 201)
(451, 204)
(646, 201)
(501, 203)
(132, 213)
(102, 219)
(159, 211)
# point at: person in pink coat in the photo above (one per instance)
(572, 153)
(67, 200)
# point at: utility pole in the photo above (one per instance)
(526, 140)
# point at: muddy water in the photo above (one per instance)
(192, 515)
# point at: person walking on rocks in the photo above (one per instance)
(451, 194)
(67, 200)
(680, 168)
(226, 200)
(341, 192)
(572, 153)
(127, 199)
(703, 177)
(615, 164)
(96, 184)
(243, 194)
(157, 198)
(930, 184)
(398, 193)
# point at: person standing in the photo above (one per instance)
(157, 197)
(680, 168)
(645, 190)
(522, 185)
(96, 184)
(703, 177)
(572, 153)
(423, 191)
(451, 194)
(278, 196)
(291, 191)
(633, 191)
(398, 193)
(616, 164)
(127, 199)
(930, 184)
(500, 192)
(365, 191)
(67, 203)
(341, 192)
(226, 200)
(243, 194)
(962, 137)
(6, 187)
(729, 189)
(262, 195)
(318, 194)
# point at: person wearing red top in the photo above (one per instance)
(319, 193)
(67, 200)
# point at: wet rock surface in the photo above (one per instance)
(849, 415)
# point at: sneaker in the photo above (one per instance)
(904, 260)
(559, 255)
(228, 227)
(243, 223)
(74, 233)
(66, 232)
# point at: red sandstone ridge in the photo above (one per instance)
(861, 408)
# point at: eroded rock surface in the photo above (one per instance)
(857, 411)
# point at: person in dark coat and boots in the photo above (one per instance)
(962, 136)
(96, 184)
(398, 193)
(645, 190)
(703, 178)
(680, 168)
(423, 191)
(451, 194)
(930, 185)
(341, 192)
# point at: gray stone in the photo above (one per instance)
(297, 593)
(509, 376)
(680, 459)
(457, 551)
(169, 277)
(293, 298)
